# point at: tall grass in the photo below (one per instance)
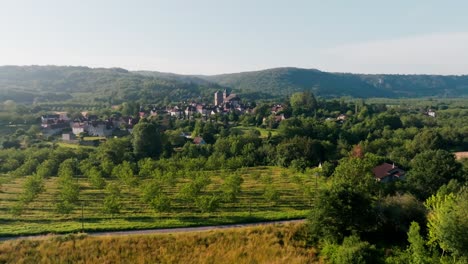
(264, 244)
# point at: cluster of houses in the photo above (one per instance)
(224, 103)
(54, 124)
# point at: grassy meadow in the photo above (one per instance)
(41, 217)
(262, 244)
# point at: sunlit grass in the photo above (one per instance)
(263, 244)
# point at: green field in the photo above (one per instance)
(40, 216)
(263, 131)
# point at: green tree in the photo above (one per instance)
(147, 140)
(341, 210)
(153, 194)
(207, 203)
(351, 251)
(33, 186)
(112, 200)
(189, 192)
(96, 178)
(124, 172)
(427, 140)
(47, 168)
(271, 194)
(448, 223)
(303, 103)
(397, 212)
(161, 202)
(28, 167)
(68, 186)
(432, 169)
(146, 167)
(357, 172)
(417, 251)
(115, 150)
(231, 187)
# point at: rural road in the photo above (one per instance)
(165, 230)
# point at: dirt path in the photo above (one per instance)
(163, 231)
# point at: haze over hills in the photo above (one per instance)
(52, 83)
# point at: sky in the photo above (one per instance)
(222, 36)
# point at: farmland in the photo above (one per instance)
(295, 194)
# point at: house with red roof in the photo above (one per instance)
(199, 141)
(387, 172)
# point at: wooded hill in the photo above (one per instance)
(114, 85)
(284, 81)
(58, 83)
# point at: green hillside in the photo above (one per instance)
(284, 81)
(115, 85)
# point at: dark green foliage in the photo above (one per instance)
(47, 168)
(146, 140)
(432, 169)
(113, 151)
(27, 168)
(428, 140)
(301, 152)
(341, 211)
(397, 213)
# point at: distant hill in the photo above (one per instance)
(60, 83)
(284, 81)
(175, 77)
(115, 85)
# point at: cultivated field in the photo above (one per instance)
(40, 216)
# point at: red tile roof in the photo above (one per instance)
(383, 170)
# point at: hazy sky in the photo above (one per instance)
(209, 37)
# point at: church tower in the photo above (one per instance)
(218, 98)
(225, 94)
